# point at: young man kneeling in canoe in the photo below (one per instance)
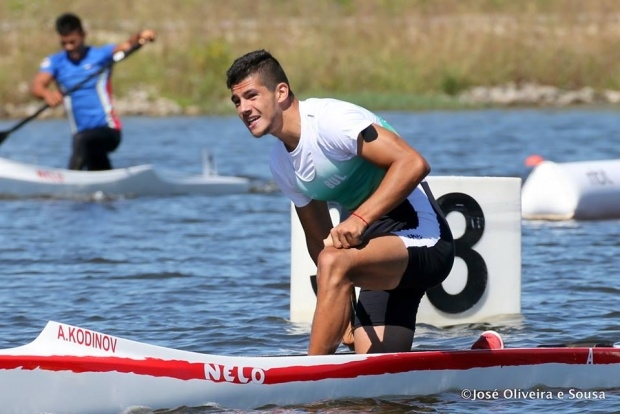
(396, 242)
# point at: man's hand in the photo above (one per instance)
(146, 35)
(52, 97)
(347, 234)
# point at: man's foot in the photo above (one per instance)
(489, 340)
(347, 338)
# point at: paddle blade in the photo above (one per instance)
(4, 135)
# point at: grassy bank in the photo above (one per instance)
(386, 54)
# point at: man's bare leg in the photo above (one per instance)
(378, 265)
(331, 317)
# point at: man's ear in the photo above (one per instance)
(282, 91)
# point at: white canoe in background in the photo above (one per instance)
(585, 190)
(27, 180)
(68, 369)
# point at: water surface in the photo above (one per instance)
(211, 274)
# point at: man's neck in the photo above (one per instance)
(290, 132)
(79, 54)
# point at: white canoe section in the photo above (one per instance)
(26, 180)
(586, 190)
(68, 369)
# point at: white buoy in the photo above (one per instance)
(585, 190)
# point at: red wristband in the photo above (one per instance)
(360, 217)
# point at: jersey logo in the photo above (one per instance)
(334, 180)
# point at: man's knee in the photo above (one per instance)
(333, 267)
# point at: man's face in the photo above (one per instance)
(73, 44)
(256, 105)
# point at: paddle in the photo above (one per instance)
(118, 56)
(582, 344)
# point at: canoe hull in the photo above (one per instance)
(109, 374)
(26, 180)
(92, 392)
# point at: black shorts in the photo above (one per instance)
(91, 148)
(428, 266)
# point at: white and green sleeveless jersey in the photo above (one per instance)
(325, 165)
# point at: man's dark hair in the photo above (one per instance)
(258, 62)
(68, 23)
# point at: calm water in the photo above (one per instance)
(211, 274)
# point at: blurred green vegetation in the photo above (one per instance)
(385, 54)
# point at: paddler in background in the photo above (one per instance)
(96, 128)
